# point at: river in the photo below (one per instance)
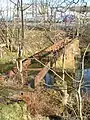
(87, 79)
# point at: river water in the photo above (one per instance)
(87, 78)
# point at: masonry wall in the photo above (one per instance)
(72, 50)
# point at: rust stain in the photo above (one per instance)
(41, 74)
(55, 46)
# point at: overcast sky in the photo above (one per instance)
(3, 3)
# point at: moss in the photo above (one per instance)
(6, 67)
(16, 111)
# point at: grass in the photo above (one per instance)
(7, 56)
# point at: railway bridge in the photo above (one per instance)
(51, 58)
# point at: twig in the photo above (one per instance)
(71, 77)
(80, 84)
(49, 68)
(27, 7)
(13, 2)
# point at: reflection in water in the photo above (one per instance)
(87, 75)
(87, 79)
(49, 79)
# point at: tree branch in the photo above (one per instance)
(27, 7)
(13, 2)
(49, 68)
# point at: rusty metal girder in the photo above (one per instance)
(41, 74)
(32, 69)
(48, 50)
(26, 63)
(55, 47)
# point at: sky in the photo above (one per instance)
(88, 1)
(3, 3)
